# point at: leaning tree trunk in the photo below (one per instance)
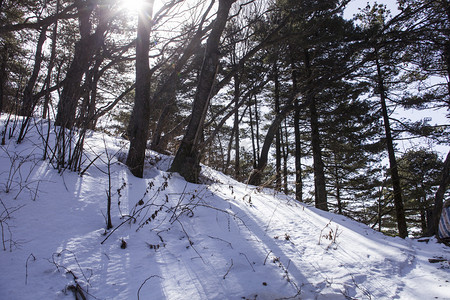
(187, 158)
(27, 100)
(398, 202)
(85, 49)
(140, 117)
(256, 175)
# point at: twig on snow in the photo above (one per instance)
(26, 267)
(228, 271)
(145, 281)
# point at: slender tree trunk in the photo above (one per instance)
(423, 214)
(285, 151)
(318, 165)
(140, 117)
(298, 146)
(439, 197)
(27, 100)
(338, 185)
(237, 95)
(187, 158)
(298, 155)
(229, 147)
(446, 4)
(256, 175)
(257, 128)
(3, 75)
(51, 64)
(252, 131)
(278, 134)
(398, 202)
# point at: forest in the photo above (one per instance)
(349, 115)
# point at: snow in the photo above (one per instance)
(217, 240)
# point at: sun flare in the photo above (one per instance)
(133, 5)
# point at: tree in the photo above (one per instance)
(419, 171)
(139, 123)
(382, 54)
(85, 49)
(187, 158)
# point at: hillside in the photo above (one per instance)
(175, 240)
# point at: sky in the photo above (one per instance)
(352, 7)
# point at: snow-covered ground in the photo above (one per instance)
(176, 240)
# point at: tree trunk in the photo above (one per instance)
(398, 202)
(439, 197)
(237, 95)
(318, 165)
(252, 131)
(3, 75)
(256, 175)
(320, 191)
(140, 117)
(84, 51)
(187, 158)
(278, 134)
(285, 157)
(27, 100)
(257, 128)
(50, 68)
(337, 184)
(298, 145)
(170, 83)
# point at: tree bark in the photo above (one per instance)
(398, 202)
(140, 117)
(187, 158)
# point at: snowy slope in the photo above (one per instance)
(175, 240)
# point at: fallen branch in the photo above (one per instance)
(228, 271)
(145, 281)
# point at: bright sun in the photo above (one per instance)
(133, 5)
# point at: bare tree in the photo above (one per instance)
(187, 158)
